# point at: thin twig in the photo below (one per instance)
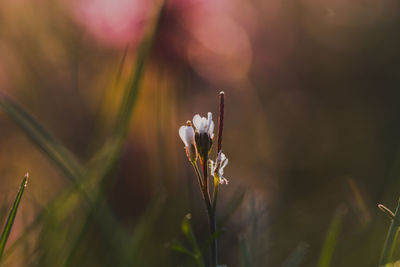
(221, 119)
(219, 144)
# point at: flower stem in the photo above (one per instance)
(212, 210)
(219, 145)
(215, 193)
(211, 213)
(205, 183)
(221, 120)
(213, 227)
(390, 238)
(196, 168)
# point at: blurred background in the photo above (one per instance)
(311, 127)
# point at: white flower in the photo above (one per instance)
(217, 169)
(187, 134)
(204, 125)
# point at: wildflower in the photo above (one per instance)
(187, 135)
(217, 168)
(204, 133)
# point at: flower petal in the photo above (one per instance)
(183, 134)
(223, 180)
(190, 135)
(209, 117)
(212, 167)
(211, 129)
(197, 121)
(224, 162)
(204, 125)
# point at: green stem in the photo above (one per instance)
(205, 184)
(213, 227)
(390, 238)
(196, 168)
(215, 193)
(211, 214)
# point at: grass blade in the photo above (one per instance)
(390, 238)
(189, 234)
(11, 216)
(36, 132)
(331, 238)
(178, 247)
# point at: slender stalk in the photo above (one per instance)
(219, 145)
(196, 168)
(205, 184)
(211, 214)
(215, 193)
(221, 120)
(390, 238)
(213, 227)
(204, 160)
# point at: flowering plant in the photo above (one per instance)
(198, 143)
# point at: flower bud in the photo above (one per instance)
(204, 134)
(187, 135)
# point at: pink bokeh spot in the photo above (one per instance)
(116, 22)
(220, 48)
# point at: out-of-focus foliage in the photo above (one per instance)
(312, 123)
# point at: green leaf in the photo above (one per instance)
(178, 247)
(216, 235)
(296, 256)
(11, 216)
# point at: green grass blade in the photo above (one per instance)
(331, 239)
(132, 92)
(390, 238)
(11, 216)
(36, 132)
(178, 247)
(110, 152)
(189, 234)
